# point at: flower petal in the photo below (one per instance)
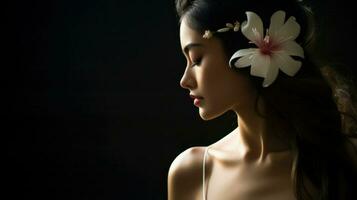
(276, 22)
(293, 49)
(260, 64)
(242, 52)
(253, 28)
(272, 73)
(244, 61)
(289, 31)
(287, 64)
(229, 25)
(223, 29)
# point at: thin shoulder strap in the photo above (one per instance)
(204, 174)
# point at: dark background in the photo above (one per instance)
(92, 103)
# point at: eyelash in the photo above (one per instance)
(196, 63)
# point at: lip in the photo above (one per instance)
(195, 97)
(196, 102)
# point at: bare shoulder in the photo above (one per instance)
(185, 174)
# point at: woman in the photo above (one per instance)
(252, 57)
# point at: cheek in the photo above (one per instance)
(214, 73)
(218, 78)
(228, 87)
(218, 85)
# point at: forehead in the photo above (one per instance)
(189, 35)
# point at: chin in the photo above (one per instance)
(206, 115)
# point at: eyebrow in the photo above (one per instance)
(190, 46)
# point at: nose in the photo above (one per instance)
(187, 81)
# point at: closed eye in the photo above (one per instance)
(196, 62)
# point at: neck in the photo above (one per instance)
(259, 135)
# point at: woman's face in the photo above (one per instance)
(208, 75)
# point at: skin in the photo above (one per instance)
(251, 162)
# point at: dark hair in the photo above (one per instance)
(305, 102)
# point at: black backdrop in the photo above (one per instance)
(92, 106)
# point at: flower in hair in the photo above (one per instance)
(235, 27)
(208, 34)
(274, 49)
(230, 26)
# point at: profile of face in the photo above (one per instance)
(209, 77)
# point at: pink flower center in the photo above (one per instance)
(267, 46)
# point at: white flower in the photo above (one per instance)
(274, 50)
(236, 26)
(224, 29)
(208, 34)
